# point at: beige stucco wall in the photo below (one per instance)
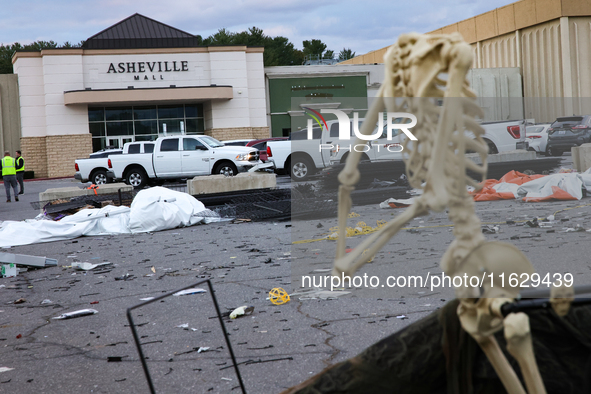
(10, 123)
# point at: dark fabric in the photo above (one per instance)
(434, 355)
(20, 177)
(10, 181)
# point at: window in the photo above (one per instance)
(260, 145)
(303, 134)
(143, 123)
(192, 144)
(133, 148)
(148, 148)
(171, 145)
(212, 142)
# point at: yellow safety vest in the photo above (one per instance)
(8, 167)
(22, 161)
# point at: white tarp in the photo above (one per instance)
(153, 209)
(542, 187)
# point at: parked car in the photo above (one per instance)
(261, 146)
(179, 157)
(537, 137)
(566, 132)
(506, 135)
(94, 169)
(236, 142)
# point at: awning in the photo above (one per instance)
(149, 95)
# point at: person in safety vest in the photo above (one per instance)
(9, 175)
(20, 171)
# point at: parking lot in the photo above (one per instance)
(277, 346)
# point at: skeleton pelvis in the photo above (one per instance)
(494, 264)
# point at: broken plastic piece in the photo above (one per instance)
(5, 369)
(202, 349)
(490, 229)
(80, 313)
(8, 270)
(278, 296)
(241, 311)
(46, 301)
(20, 301)
(186, 325)
(189, 291)
(87, 266)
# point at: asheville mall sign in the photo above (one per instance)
(139, 68)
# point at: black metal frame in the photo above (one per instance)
(217, 309)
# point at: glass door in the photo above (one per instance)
(118, 142)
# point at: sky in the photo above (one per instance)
(360, 25)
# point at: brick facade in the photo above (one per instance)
(53, 156)
(238, 133)
(35, 154)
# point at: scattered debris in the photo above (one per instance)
(87, 266)
(491, 229)
(202, 349)
(80, 313)
(241, 311)
(189, 291)
(186, 325)
(46, 301)
(125, 277)
(5, 369)
(8, 271)
(20, 301)
(278, 296)
(26, 260)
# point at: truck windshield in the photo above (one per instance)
(212, 142)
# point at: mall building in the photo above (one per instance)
(134, 81)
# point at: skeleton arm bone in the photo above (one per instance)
(351, 262)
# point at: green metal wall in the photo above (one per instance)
(314, 89)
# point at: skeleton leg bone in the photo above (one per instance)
(519, 344)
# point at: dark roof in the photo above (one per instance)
(139, 31)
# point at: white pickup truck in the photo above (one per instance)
(94, 169)
(303, 157)
(181, 156)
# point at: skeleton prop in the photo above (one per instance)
(415, 72)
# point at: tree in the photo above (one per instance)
(222, 37)
(7, 51)
(314, 47)
(346, 54)
(328, 54)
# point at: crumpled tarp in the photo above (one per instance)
(535, 188)
(153, 209)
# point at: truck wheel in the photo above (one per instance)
(301, 168)
(492, 148)
(99, 177)
(553, 151)
(136, 177)
(226, 168)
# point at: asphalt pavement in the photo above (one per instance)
(277, 346)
